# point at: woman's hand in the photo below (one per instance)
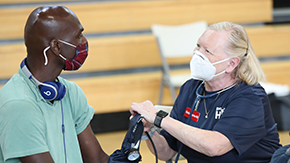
(146, 109)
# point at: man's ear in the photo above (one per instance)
(54, 46)
(234, 62)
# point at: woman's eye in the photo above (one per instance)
(207, 51)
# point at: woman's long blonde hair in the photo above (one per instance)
(249, 69)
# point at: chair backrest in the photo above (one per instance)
(178, 40)
(164, 108)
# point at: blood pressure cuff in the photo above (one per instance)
(282, 155)
(131, 142)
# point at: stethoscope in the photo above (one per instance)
(199, 96)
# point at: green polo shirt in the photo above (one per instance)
(30, 125)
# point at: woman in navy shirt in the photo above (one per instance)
(222, 114)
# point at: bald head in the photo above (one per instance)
(46, 29)
(47, 23)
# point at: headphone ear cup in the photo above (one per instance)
(60, 91)
(48, 90)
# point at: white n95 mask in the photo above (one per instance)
(202, 69)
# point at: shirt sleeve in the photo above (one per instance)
(243, 121)
(82, 112)
(22, 130)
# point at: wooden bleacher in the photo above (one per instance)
(123, 52)
(9, 2)
(120, 16)
(114, 93)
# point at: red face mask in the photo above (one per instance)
(80, 57)
(77, 61)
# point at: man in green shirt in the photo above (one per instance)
(43, 117)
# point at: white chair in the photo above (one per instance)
(164, 108)
(176, 41)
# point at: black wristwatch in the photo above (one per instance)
(159, 116)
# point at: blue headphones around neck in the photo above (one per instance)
(49, 90)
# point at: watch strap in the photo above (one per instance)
(159, 116)
(157, 121)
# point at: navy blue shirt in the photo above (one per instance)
(241, 113)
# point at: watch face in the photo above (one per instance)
(162, 113)
(133, 156)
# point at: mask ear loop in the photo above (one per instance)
(67, 43)
(219, 73)
(218, 63)
(45, 57)
(221, 61)
(62, 56)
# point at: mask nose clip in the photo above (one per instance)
(199, 54)
(201, 57)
